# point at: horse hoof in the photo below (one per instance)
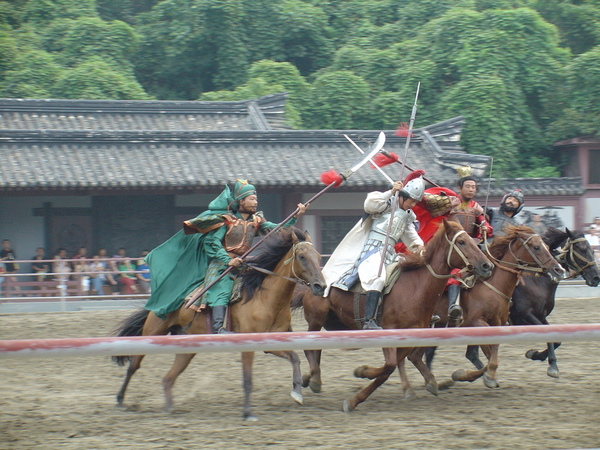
(358, 372)
(445, 385)
(553, 372)
(306, 380)
(250, 418)
(459, 375)
(530, 354)
(346, 407)
(432, 388)
(315, 387)
(490, 382)
(410, 395)
(297, 397)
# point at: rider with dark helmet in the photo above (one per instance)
(511, 205)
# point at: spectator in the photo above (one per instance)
(39, 268)
(61, 268)
(537, 225)
(593, 237)
(127, 279)
(104, 277)
(8, 254)
(81, 264)
(143, 279)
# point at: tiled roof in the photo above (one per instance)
(93, 146)
(106, 115)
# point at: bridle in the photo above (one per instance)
(292, 257)
(566, 256)
(468, 281)
(538, 266)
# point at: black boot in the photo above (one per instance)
(454, 311)
(371, 301)
(218, 317)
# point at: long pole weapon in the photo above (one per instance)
(377, 146)
(487, 196)
(395, 198)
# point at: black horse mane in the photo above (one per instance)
(501, 243)
(554, 238)
(272, 250)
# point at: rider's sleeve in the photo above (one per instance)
(213, 245)
(411, 238)
(377, 202)
(267, 226)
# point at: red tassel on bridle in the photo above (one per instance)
(332, 176)
(402, 130)
(384, 160)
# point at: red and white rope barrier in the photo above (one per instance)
(417, 337)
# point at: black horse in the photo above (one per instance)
(533, 300)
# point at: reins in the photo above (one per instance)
(520, 265)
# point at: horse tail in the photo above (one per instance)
(131, 326)
(298, 297)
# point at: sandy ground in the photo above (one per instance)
(70, 403)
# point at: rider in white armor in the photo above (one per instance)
(368, 236)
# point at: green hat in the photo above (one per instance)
(243, 189)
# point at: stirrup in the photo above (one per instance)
(434, 319)
(223, 330)
(371, 325)
(455, 312)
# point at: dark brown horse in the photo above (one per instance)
(488, 302)
(409, 304)
(533, 300)
(265, 306)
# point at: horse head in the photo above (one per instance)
(529, 252)
(578, 256)
(307, 264)
(463, 252)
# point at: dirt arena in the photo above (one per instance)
(70, 403)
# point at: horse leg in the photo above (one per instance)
(552, 363)
(391, 361)
(429, 354)
(549, 353)
(416, 357)
(409, 393)
(313, 378)
(134, 364)
(472, 354)
(489, 376)
(292, 357)
(247, 362)
(182, 360)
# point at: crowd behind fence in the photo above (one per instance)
(76, 277)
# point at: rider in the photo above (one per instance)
(511, 205)
(202, 251)
(360, 253)
(470, 215)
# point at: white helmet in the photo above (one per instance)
(414, 189)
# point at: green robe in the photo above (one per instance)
(180, 265)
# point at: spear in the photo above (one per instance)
(331, 178)
(395, 198)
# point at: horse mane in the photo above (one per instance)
(415, 261)
(501, 243)
(272, 250)
(554, 238)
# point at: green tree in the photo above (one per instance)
(33, 75)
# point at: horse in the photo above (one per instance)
(533, 300)
(287, 257)
(487, 303)
(409, 304)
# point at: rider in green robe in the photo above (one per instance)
(202, 251)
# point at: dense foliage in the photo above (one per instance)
(524, 73)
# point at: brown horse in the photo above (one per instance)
(409, 304)
(289, 257)
(488, 302)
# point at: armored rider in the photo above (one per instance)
(359, 255)
(471, 216)
(199, 253)
(511, 205)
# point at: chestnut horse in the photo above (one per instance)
(409, 304)
(488, 302)
(288, 257)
